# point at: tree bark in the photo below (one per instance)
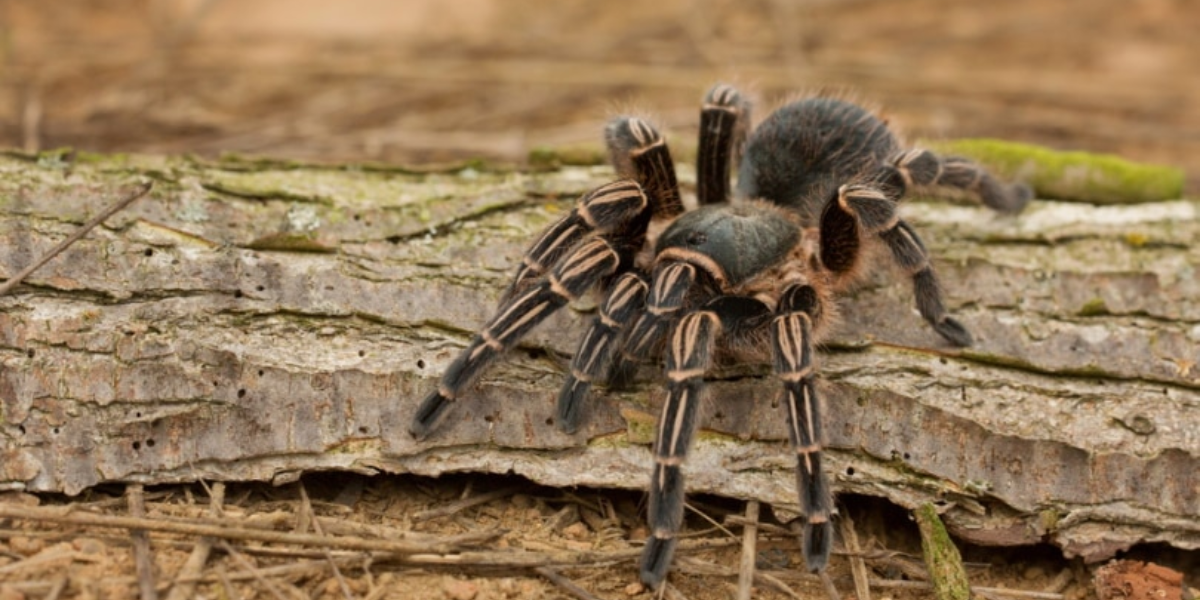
(255, 320)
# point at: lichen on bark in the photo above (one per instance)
(174, 344)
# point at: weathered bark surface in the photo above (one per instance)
(253, 321)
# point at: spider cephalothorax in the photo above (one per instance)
(756, 271)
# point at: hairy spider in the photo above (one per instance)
(751, 275)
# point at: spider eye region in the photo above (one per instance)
(739, 240)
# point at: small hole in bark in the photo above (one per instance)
(906, 456)
(363, 429)
(21, 428)
(55, 431)
(150, 443)
(535, 353)
(720, 415)
(137, 415)
(549, 421)
(137, 446)
(260, 372)
(850, 471)
(259, 288)
(490, 418)
(30, 353)
(357, 217)
(149, 252)
(361, 353)
(237, 293)
(242, 393)
(421, 365)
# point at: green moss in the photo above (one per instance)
(1083, 176)
(946, 570)
(291, 242)
(1049, 520)
(612, 440)
(584, 155)
(543, 157)
(1093, 308)
(1136, 239)
(639, 426)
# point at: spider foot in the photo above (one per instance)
(571, 400)
(428, 414)
(656, 560)
(817, 542)
(638, 150)
(954, 332)
(1005, 198)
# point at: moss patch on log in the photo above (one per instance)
(1080, 176)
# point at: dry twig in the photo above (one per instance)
(57, 588)
(564, 583)
(749, 551)
(228, 531)
(141, 545)
(858, 567)
(184, 590)
(258, 575)
(306, 508)
(463, 504)
(74, 237)
(1008, 592)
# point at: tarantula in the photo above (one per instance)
(752, 275)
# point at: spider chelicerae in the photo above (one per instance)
(750, 275)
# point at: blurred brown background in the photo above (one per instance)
(432, 80)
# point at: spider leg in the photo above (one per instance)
(924, 168)
(587, 263)
(671, 284)
(640, 152)
(723, 122)
(594, 357)
(792, 347)
(610, 208)
(688, 356)
(866, 209)
(669, 288)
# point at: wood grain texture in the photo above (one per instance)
(258, 320)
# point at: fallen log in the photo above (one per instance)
(253, 320)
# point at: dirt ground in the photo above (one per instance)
(429, 81)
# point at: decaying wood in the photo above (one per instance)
(256, 320)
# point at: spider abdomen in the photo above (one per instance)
(804, 150)
(734, 242)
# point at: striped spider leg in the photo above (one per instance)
(597, 242)
(923, 168)
(792, 347)
(861, 210)
(637, 150)
(612, 214)
(724, 119)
